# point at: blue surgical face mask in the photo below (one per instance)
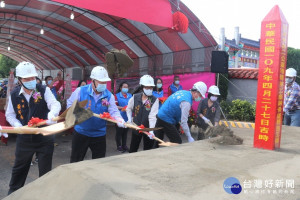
(49, 82)
(288, 80)
(159, 85)
(30, 85)
(198, 98)
(124, 90)
(101, 87)
(177, 82)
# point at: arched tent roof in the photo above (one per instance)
(85, 40)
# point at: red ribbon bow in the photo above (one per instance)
(141, 127)
(35, 121)
(105, 115)
(124, 108)
(162, 99)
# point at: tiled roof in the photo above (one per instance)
(246, 42)
(232, 44)
(243, 73)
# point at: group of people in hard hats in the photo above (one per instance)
(30, 99)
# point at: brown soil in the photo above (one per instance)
(222, 135)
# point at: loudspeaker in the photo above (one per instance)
(219, 62)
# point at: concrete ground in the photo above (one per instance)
(188, 171)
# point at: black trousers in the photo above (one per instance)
(169, 129)
(81, 143)
(121, 136)
(136, 140)
(42, 146)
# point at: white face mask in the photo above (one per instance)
(148, 92)
(213, 98)
(177, 82)
(288, 80)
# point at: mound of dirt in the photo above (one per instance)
(218, 134)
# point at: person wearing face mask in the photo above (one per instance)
(142, 109)
(175, 86)
(158, 91)
(26, 101)
(50, 81)
(208, 111)
(122, 97)
(291, 107)
(92, 132)
(176, 110)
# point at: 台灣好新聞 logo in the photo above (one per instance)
(232, 185)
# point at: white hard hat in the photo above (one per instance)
(201, 87)
(99, 73)
(25, 70)
(147, 80)
(214, 90)
(291, 72)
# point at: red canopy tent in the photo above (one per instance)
(83, 41)
(156, 12)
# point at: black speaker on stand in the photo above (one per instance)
(219, 62)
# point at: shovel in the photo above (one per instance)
(210, 126)
(126, 124)
(72, 118)
(76, 115)
(161, 142)
(82, 104)
(136, 127)
(48, 130)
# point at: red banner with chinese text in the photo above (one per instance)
(271, 80)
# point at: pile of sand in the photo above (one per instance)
(218, 134)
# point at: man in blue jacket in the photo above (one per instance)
(175, 110)
(175, 86)
(92, 132)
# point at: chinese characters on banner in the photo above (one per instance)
(271, 80)
(68, 86)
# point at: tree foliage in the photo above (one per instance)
(223, 86)
(6, 63)
(241, 110)
(293, 60)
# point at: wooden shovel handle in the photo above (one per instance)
(162, 143)
(157, 139)
(19, 130)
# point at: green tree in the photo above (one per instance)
(223, 86)
(293, 60)
(6, 63)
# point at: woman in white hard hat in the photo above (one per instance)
(92, 132)
(208, 111)
(291, 107)
(142, 110)
(27, 101)
(176, 110)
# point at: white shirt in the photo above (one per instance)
(152, 114)
(185, 109)
(52, 104)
